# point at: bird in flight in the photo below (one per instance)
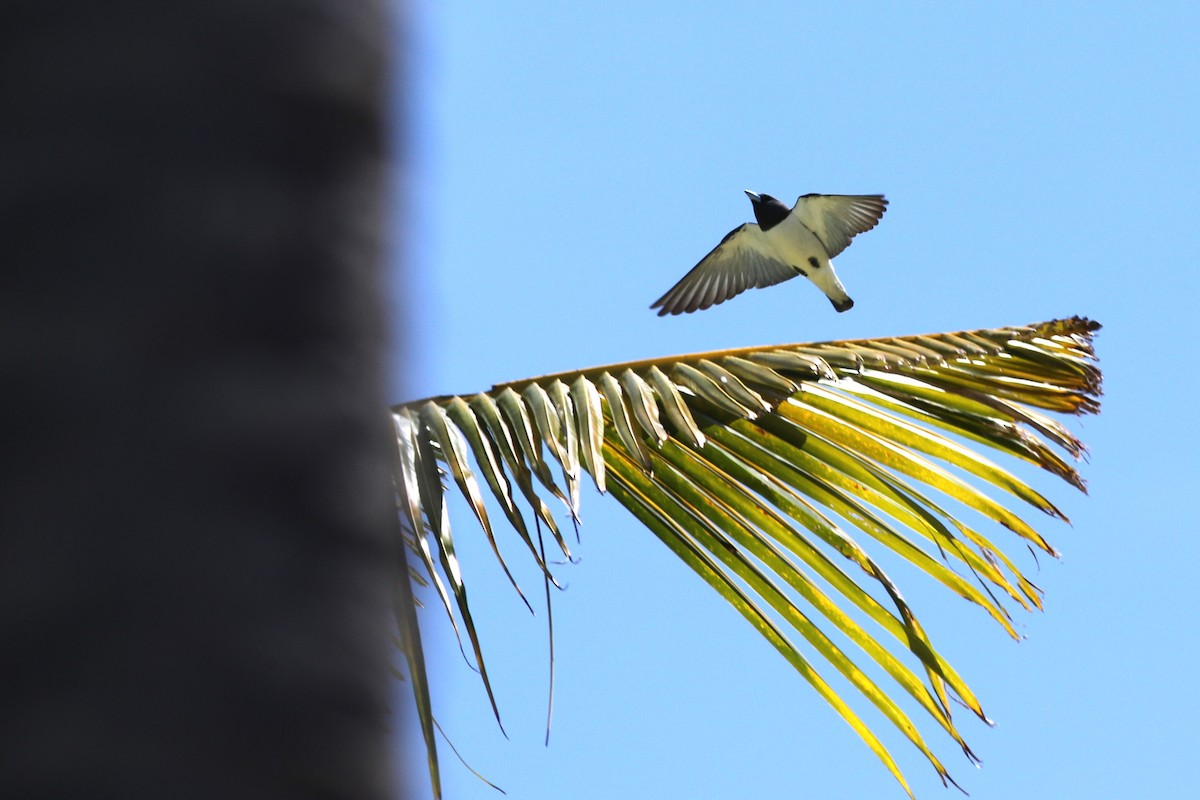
(785, 242)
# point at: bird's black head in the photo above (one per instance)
(768, 211)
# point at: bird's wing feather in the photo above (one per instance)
(838, 218)
(742, 261)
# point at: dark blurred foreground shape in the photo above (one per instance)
(195, 557)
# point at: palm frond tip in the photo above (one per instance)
(753, 464)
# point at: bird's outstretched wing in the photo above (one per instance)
(838, 218)
(741, 261)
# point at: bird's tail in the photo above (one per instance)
(827, 281)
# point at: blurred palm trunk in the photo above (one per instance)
(195, 551)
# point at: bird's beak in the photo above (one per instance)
(754, 198)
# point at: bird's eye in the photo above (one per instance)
(815, 264)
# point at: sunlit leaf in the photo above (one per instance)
(773, 473)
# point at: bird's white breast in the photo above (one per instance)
(795, 244)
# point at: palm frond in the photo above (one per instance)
(755, 465)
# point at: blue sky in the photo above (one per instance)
(570, 161)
